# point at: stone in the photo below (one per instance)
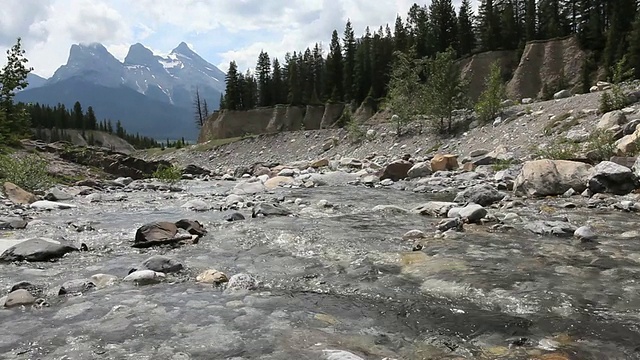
(196, 205)
(19, 297)
(556, 228)
(278, 181)
(34, 250)
(193, 227)
(473, 213)
(444, 162)
(389, 209)
(421, 169)
(103, 280)
(158, 233)
(396, 170)
(234, 216)
(55, 194)
(212, 276)
(413, 235)
(585, 233)
(17, 195)
(249, 188)
(12, 223)
(627, 161)
(95, 197)
(577, 135)
(483, 195)
(434, 208)
(350, 163)
(144, 277)
(569, 193)
(386, 182)
(478, 152)
(195, 170)
(627, 145)
(340, 354)
(562, 94)
(319, 163)
(609, 177)
(265, 209)
(526, 101)
(51, 205)
(450, 224)
(76, 287)
(286, 173)
(329, 144)
(551, 177)
(163, 264)
(611, 119)
(242, 281)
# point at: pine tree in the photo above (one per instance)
(466, 35)
(552, 19)
(622, 13)
(232, 94)
(91, 119)
(509, 26)
(349, 42)
(363, 67)
(634, 47)
(293, 70)
(400, 35)
(278, 88)
(198, 109)
(418, 23)
(530, 20)
(14, 122)
(333, 86)
(263, 71)
(489, 25)
(444, 25)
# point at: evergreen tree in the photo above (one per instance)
(444, 25)
(400, 35)
(278, 88)
(634, 48)
(233, 93)
(418, 25)
(509, 26)
(489, 25)
(14, 121)
(622, 13)
(263, 71)
(363, 67)
(91, 119)
(552, 19)
(334, 65)
(349, 42)
(78, 117)
(466, 35)
(198, 110)
(293, 71)
(530, 20)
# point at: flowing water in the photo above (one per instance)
(336, 278)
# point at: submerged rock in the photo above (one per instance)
(472, 213)
(145, 277)
(18, 298)
(434, 208)
(340, 355)
(196, 205)
(585, 233)
(164, 232)
(212, 276)
(163, 264)
(51, 205)
(234, 216)
(242, 282)
(265, 209)
(38, 249)
(103, 280)
(557, 228)
(75, 287)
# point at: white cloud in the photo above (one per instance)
(220, 30)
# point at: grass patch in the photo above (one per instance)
(167, 174)
(212, 144)
(601, 145)
(561, 150)
(502, 165)
(29, 172)
(554, 122)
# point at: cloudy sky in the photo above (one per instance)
(218, 30)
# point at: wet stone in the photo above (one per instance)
(144, 277)
(76, 287)
(39, 249)
(18, 298)
(234, 216)
(212, 276)
(242, 281)
(265, 209)
(162, 264)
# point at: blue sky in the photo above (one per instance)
(218, 30)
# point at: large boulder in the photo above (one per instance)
(551, 177)
(396, 170)
(484, 195)
(37, 249)
(609, 177)
(611, 119)
(164, 232)
(444, 162)
(17, 195)
(420, 169)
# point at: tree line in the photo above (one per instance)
(356, 68)
(59, 118)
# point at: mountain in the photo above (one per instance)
(96, 78)
(35, 81)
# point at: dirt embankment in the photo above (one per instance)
(231, 123)
(475, 68)
(556, 64)
(100, 138)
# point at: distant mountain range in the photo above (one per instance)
(149, 94)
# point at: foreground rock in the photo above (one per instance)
(144, 277)
(163, 264)
(20, 297)
(484, 195)
(17, 195)
(396, 170)
(39, 249)
(265, 209)
(165, 233)
(212, 276)
(551, 177)
(609, 177)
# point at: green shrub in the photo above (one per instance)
(356, 133)
(614, 99)
(561, 150)
(601, 145)
(489, 104)
(502, 165)
(168, 174)
(29, 172)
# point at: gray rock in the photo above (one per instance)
(234, 216)
(163, 264)
(95, 197)
(103, 280)
(287, 172)
(389, 209)
(585, 233)
(557, 228)
(38, 249)
(339, 355)
(473, 213)
(18, 298)
(51, 205)
(454, 212)
(413, 234)
(484, 195)
(569, 193)
(386, 182)
(242, 281)
(249, 188)
(478, 152)
(577, 135)
(434, 208)
(609, 177)
(76, 287)
(265, 209)
(611, 119)
(124, 181)
(144, 277)
(420, 169)
(55, 194)
(562, 94)
(450, 224)
(12, 223)
(196, 205)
